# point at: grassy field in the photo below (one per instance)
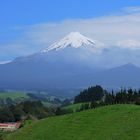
(19, 96)
(74, 107)
(13, 95)
(116, 122)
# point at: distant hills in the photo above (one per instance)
(122, 76)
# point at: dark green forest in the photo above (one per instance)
(97, 96)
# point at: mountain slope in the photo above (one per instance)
(52, 67)
(105, 123)
(125, 75)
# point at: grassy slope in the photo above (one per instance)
(117, 122)
(19, 95)
(13, 95)
(74, 107)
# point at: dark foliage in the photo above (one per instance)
(95, 97)
(91, 94)
(6, 102)
(6, 115)
(94, 94)
(124, 96)
(23, 110)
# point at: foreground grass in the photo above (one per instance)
(116, 122)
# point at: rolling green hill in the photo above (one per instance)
(116, 122)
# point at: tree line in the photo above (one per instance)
(98, 94)
(124, 96)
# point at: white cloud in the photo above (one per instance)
(5, 62)
(16, 49)
(114, 30)
(109, 29)
(130, 44)
(133, 9)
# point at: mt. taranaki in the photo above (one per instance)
(68, 63)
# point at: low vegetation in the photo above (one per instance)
(115, 122)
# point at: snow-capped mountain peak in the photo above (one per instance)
(74, 39)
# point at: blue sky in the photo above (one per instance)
(25, 12)
(19, 17)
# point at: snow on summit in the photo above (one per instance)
(74, 39)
